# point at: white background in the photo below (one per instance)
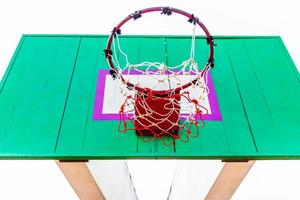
(42, 179)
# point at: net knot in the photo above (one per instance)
(175, 96)
(211, 62)
(194, 19)
(122, 108)
(166, 11)
(198, 111)
(148, 91)
(108, 53)
(194, 101)
(194, 122)
(113, 73)
(186, 92)
(116, 31)
(162, 67)
(137, 14)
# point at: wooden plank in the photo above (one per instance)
(238, 135)
(12, 82)
(175, 56)
(80, 134)
(289, 74)
(54, 98)
(48, 59)
(76, 116)
(81, 180)
(102, 137)
(286, 59)
(211, 137)
(229, 179)
(279, 103)
(261, 123)
(143, 48)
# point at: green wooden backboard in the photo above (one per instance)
(47, 100)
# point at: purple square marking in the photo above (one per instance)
(99, 98)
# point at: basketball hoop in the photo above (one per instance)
(153, 101)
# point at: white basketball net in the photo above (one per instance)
(178, 115)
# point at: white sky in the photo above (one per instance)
(42, 179)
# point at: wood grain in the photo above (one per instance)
(82, 181)
(229, 179)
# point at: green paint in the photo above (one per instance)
(47, 97)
